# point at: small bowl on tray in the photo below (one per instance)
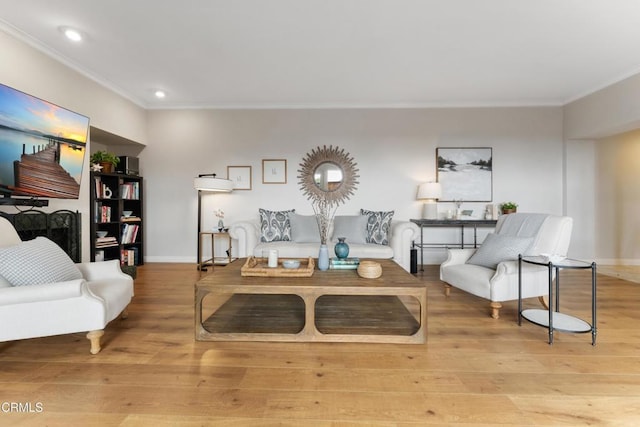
(291, 263)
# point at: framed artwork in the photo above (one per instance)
(241, 177)
(465, 174)
(274, 171)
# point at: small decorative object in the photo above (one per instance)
(273, 258)
(509, 207)
(341, 248)
(95, 167)
(101, 233)
(127, 213)
(291, 263)
(369, 269)
(220, 214)
(458, 208)
(105, 159)
(323, 258)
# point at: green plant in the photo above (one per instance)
(105, 157)
(509, 205)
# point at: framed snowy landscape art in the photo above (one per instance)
(465, 174)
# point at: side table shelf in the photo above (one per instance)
(553, 319)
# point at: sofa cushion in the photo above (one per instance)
(378, 226)
(352, 227)
(275, 226)
(4, 283)
(497, 248)
(36, 262)
(304, 228)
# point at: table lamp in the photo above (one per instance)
(429, 192)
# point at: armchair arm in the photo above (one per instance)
(44, 292)
(403, 233)
(102, 270)
(247, 234)
(457, 256)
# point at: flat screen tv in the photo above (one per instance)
(42, 147)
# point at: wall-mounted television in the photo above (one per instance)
(42, 147)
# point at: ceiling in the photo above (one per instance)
(339, 53)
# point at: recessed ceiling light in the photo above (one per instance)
(160, 94)
(72, 34)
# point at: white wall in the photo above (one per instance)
(394, 149)
(29, 70)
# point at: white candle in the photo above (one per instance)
(273, 258)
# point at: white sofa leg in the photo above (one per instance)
(495, 309)
(94, 337)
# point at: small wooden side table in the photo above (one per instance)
(222, 260)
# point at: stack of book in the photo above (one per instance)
(344, 263)
(129, 233)
(103, 242)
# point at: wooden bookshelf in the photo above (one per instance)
(113, 194)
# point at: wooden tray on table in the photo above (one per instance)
(257, 267)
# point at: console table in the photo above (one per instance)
(455, 223)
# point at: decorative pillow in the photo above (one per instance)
(4, 283)
(352, 227)
(378, 226)
(35, 262)
(275, 226)
(497, 248)
(304, 228)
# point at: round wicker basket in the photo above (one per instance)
(369, 269)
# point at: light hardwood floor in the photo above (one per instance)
(473, 370)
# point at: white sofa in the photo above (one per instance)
(548, 234)
(401, 236)
(85, 304)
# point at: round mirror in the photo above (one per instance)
(328, 176)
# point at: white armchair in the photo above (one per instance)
(497, 279)
(84, 304)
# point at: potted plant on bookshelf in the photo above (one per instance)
(509, 207)
(108, 161)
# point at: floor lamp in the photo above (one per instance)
(207, 182)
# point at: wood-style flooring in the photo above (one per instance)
(473, 370)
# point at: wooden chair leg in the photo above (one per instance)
(495, 309)
(447, 289)
(125, 313)
(94, 337)
(544, 300)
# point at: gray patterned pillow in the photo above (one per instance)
(497, 248)
(378, 226)
(275, 226)
(36, 262)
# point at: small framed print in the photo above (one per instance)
(274, 171)
(241, 177)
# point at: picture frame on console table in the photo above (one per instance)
(465, 174)
(241, 177)
(274, 171)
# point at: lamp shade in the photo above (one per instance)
(211, 183)
(429, 190)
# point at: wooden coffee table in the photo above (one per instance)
(333, 305)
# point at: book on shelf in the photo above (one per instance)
(129, 233)
(344, 261)
(130, 190)
(103, 242)
(343, 266)
(130, 219)
(129, 256)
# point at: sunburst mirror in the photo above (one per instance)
(328, 175)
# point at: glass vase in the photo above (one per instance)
(323, 258)
(342, 248)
